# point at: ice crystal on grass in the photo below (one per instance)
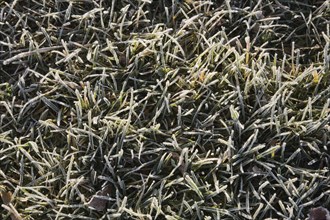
(164, 109)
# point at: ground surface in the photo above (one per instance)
(164, 109)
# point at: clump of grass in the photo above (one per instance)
(164, 109)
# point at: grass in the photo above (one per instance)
(164, 109)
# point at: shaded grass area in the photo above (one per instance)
(164, 109)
